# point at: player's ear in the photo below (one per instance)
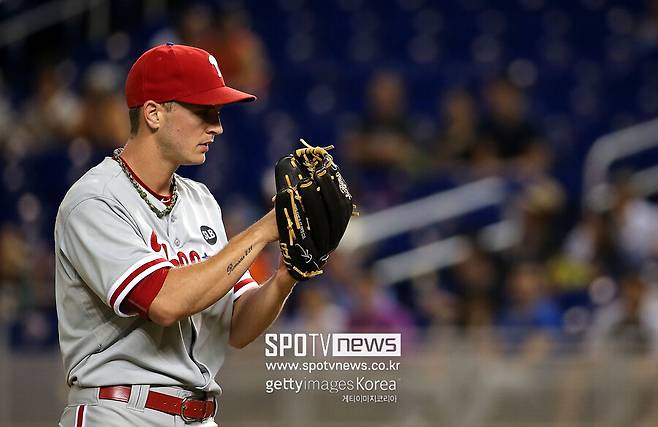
(152, 113)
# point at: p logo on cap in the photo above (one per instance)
(214, 63)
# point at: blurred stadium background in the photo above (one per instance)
(503, 156)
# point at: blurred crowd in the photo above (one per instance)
(578, 277)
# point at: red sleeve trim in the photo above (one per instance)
(141, 297)
(131, 277)
(243, 286)
(242, 283)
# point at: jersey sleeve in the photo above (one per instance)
(103, 244)
(245, 283)
(140, 298)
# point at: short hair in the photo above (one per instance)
(135, 113)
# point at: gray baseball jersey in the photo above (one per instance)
(107, 241)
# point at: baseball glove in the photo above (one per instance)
(313, 207)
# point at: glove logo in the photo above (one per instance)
(342, 185)
(304, 253)
(208, 234)
(299, 220)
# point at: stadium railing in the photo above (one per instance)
(612, 148)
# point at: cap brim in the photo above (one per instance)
(218, 96)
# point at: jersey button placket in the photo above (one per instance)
(171, 219)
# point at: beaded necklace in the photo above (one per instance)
(174, 190)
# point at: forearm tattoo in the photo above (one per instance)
(233, 265)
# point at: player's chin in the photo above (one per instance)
(198, 159)
(194, 160)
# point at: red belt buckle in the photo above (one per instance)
(204, 416)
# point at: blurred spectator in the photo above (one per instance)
(196, 27)
(26, 292)
(539, 207)
(342, 269)
(103, 91)
(243, 55)
(509, 137)
(51, 116)
(647, 28)
(621, 234)
(458, 143)
(373, 310)
(478, 285)
(380, 148)
(592, 244)
(628, 325)
(6, 118)
(383, 138)
(530, 322)
(316, 312)
(226, 35)
(636, 224)
(476, 290)
(13, 270)
(14, 262)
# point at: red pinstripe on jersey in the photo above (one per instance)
(80, 416)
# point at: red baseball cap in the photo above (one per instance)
(179, 73)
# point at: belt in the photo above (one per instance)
(187, 408)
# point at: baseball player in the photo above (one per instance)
(149, 291)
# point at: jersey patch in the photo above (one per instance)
(208, 234)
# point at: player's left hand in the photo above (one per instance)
(313, 207)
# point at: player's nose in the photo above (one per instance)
(215, 128)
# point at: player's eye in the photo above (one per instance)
(207, 114)
(200, 112)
